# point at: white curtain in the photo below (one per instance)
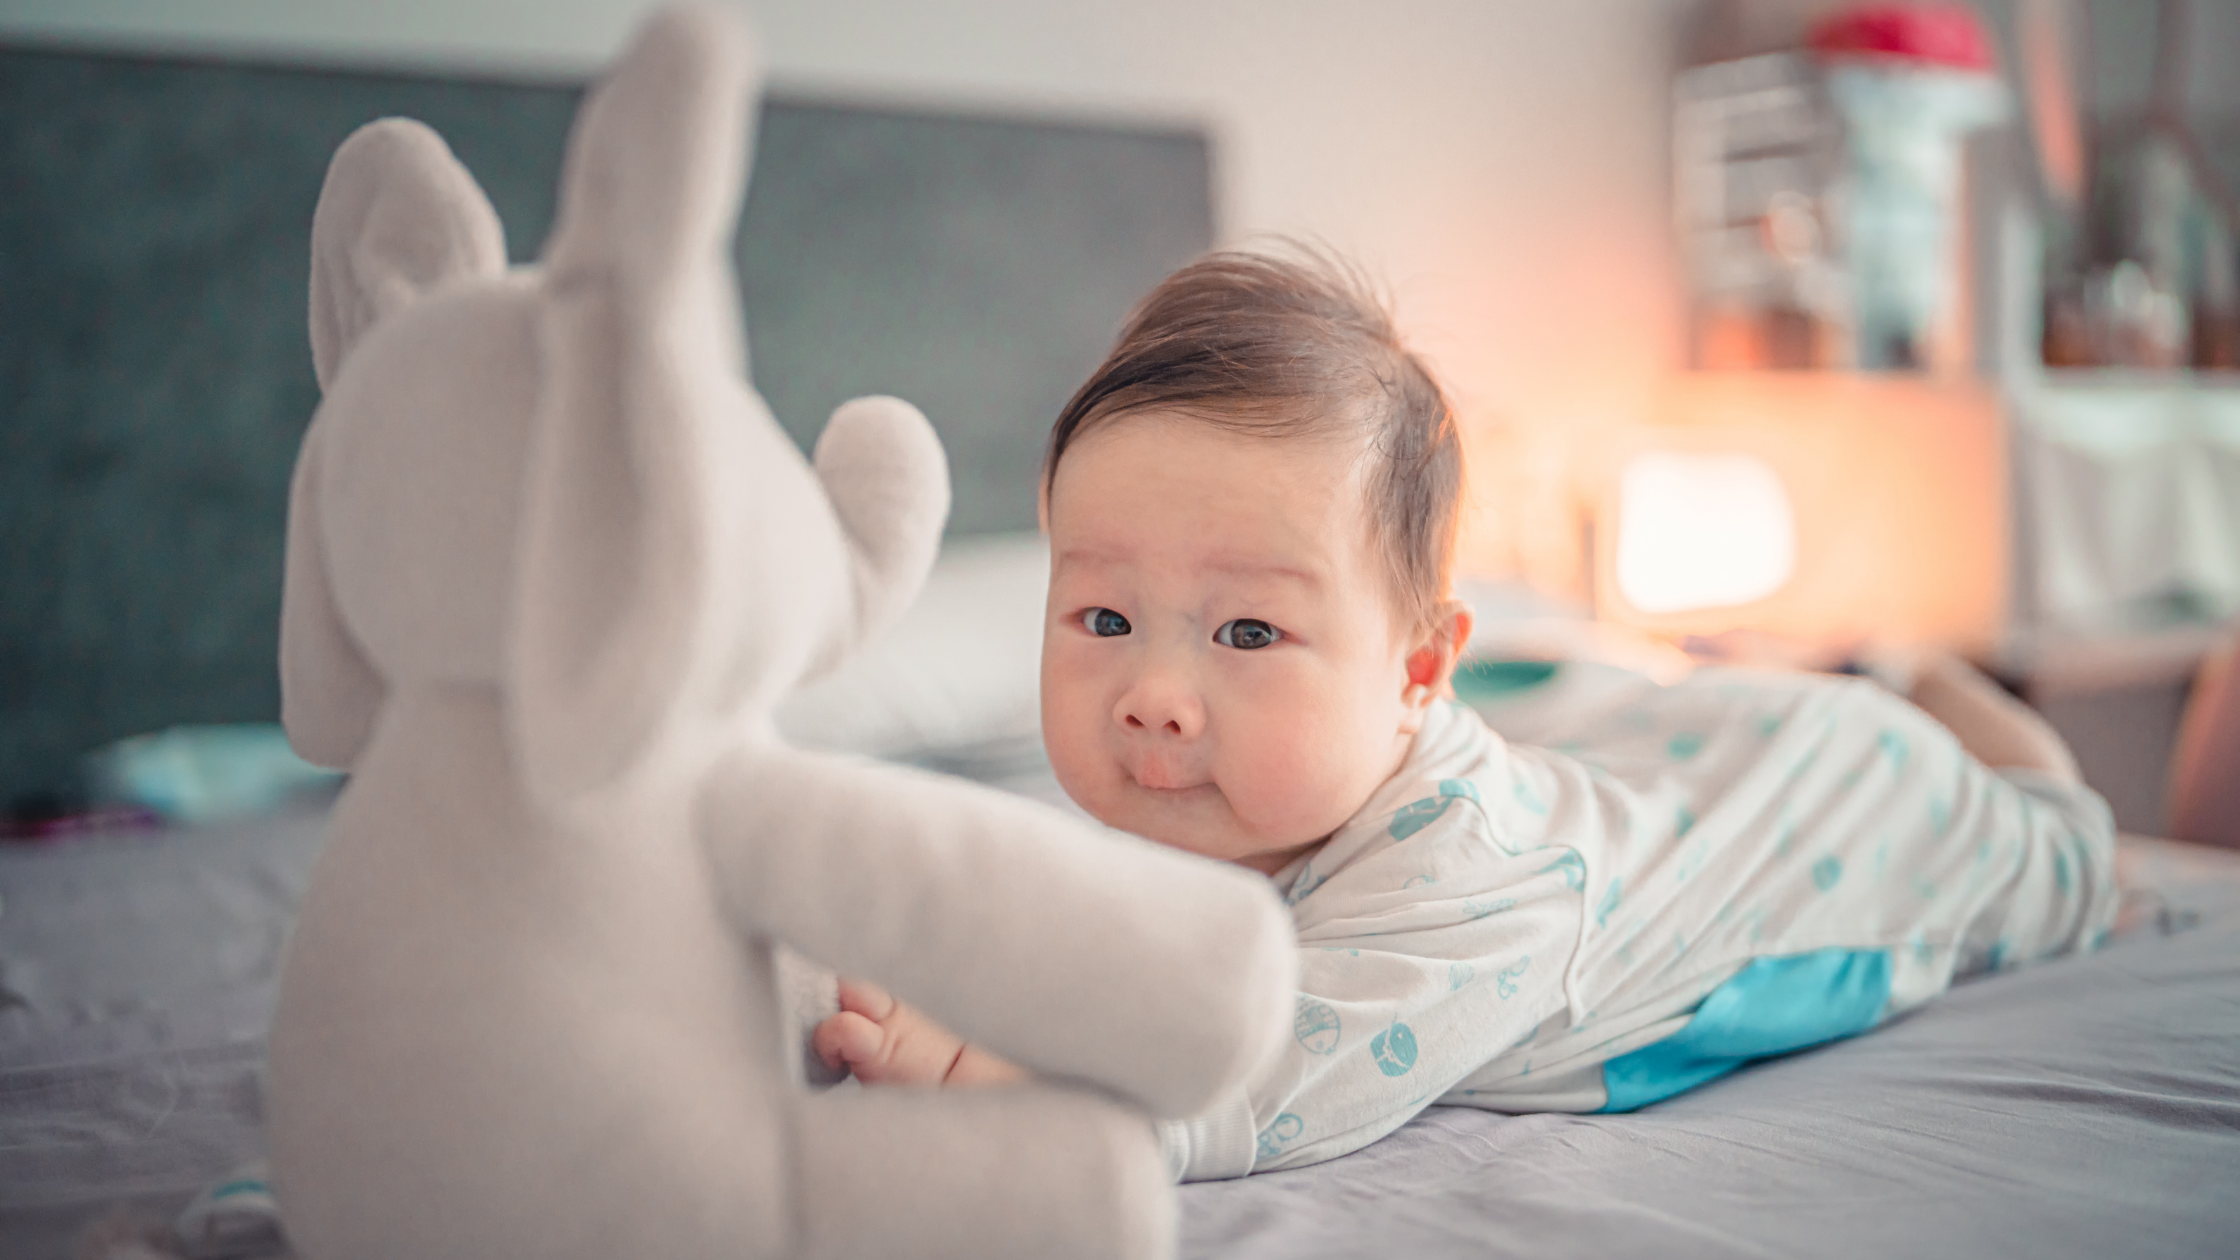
(2128, 492)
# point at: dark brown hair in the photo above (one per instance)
(1293, 346)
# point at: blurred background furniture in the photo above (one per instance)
(2127, 572)
(2077, 527)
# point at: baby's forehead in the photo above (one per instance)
(1305, 567)
(1138, 460)
(1286, 447)
(1222, 507)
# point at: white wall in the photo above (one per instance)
(1502, 163)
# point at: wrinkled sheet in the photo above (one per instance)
(2088, 1107)
(136, 982)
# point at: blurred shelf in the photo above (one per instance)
(2141, 378)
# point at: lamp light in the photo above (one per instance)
(1824, 507)
(1702, 531)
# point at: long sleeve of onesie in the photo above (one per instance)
(1427, 944)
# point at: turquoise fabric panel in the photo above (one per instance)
(1772, 1006)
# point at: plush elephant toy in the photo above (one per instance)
(551, 566)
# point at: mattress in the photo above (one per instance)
(2087, 1107)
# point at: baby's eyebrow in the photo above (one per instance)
(1227, 566)
(1089, 556)
(1261, 569)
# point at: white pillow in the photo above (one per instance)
(962, 667)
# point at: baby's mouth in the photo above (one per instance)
(1164, 781)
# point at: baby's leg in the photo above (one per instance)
(2017, 860)
(1997, 729)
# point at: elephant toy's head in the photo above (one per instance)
(556, 480)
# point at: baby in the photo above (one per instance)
(1251, 508)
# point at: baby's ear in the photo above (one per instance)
(1438, 649)
(397, 218)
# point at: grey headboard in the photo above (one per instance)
(155, 376)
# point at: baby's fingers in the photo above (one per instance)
(866, 999)
(849, 1040)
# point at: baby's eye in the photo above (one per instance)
(1104, 623)
(1246, 633)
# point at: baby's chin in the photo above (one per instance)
(1189, 818)
(1196, 820)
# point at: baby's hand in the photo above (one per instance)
(883, 1042)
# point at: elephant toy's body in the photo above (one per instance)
(551, 566)
(623, 1037)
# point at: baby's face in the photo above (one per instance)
(1222, 670)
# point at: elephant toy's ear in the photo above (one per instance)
(613, 612)
(329, 693)
(397, 217)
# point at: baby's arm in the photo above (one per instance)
(1389, 1015)
(883, 1042)
(1083, 954)
(1380, 1034)
(1419, 963)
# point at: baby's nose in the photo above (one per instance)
(1163, 704)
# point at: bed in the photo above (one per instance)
(152, 296)
(2088, 1107)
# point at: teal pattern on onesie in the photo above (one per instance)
(1827, 872)
(1610, 899)
(1281, 1132)
(1574, 869)
(1505, 981)
(1394, 1049)
(1417, 815)
(1315, 1025)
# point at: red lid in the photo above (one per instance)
(1938, 34)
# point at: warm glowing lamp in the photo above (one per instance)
(1825, 507)
(1701, 531)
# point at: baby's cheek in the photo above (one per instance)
(1068, 734)
(1076, 717)
(1295, 776)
